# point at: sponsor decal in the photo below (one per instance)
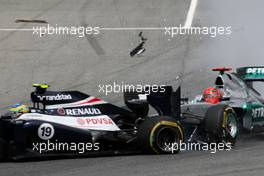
(258, 112)
(61, 111)
(81, 121)
(98, 122)
(54, 97)
(82, 111)
(255, 71)
(95, 121)
(46, 131)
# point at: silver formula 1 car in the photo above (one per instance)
(241, 107)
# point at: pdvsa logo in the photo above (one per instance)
(94, 121)
(81, 121)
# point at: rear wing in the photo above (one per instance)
(166, 102)
(250, 74)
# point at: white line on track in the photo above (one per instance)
(188, 22)
(133, 28)
(101, 28)
(16, 29)
(190, 15)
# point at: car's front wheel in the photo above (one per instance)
(221, 123)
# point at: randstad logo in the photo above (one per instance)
(54, 97)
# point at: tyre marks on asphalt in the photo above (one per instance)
(92, 39)
(11, 33)
(95, 44)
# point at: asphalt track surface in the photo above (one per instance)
(69, 62)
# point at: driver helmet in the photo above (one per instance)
(212, 95)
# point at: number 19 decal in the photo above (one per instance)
(46, 131)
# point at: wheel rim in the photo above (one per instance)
(165, 137)
(231, 125)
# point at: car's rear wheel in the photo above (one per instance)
(160, 135)
(221, 123)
